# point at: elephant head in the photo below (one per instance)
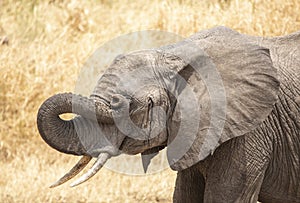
(189, 97)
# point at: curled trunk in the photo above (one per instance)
(62, 134)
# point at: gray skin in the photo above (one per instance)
(256, 156)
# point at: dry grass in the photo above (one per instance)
(48, 43)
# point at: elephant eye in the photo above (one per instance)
(150, 103)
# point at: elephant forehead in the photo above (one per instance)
(133, 60)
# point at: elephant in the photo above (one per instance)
(225, 105)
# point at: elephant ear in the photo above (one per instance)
(225, 87)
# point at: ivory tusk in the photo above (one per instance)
(101, 160)
(74, 171)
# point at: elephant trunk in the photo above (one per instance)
(61, 134)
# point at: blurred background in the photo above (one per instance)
(44, 44)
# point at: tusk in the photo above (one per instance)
(74, 171)
(102, 158)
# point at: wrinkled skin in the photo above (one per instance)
(256, 154)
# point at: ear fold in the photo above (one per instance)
(228, 88)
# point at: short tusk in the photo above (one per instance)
(102, 158)
(74, 171)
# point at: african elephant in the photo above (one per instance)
(225, 105)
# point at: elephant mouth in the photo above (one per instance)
(133, 147)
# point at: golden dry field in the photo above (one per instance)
(44, 44)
